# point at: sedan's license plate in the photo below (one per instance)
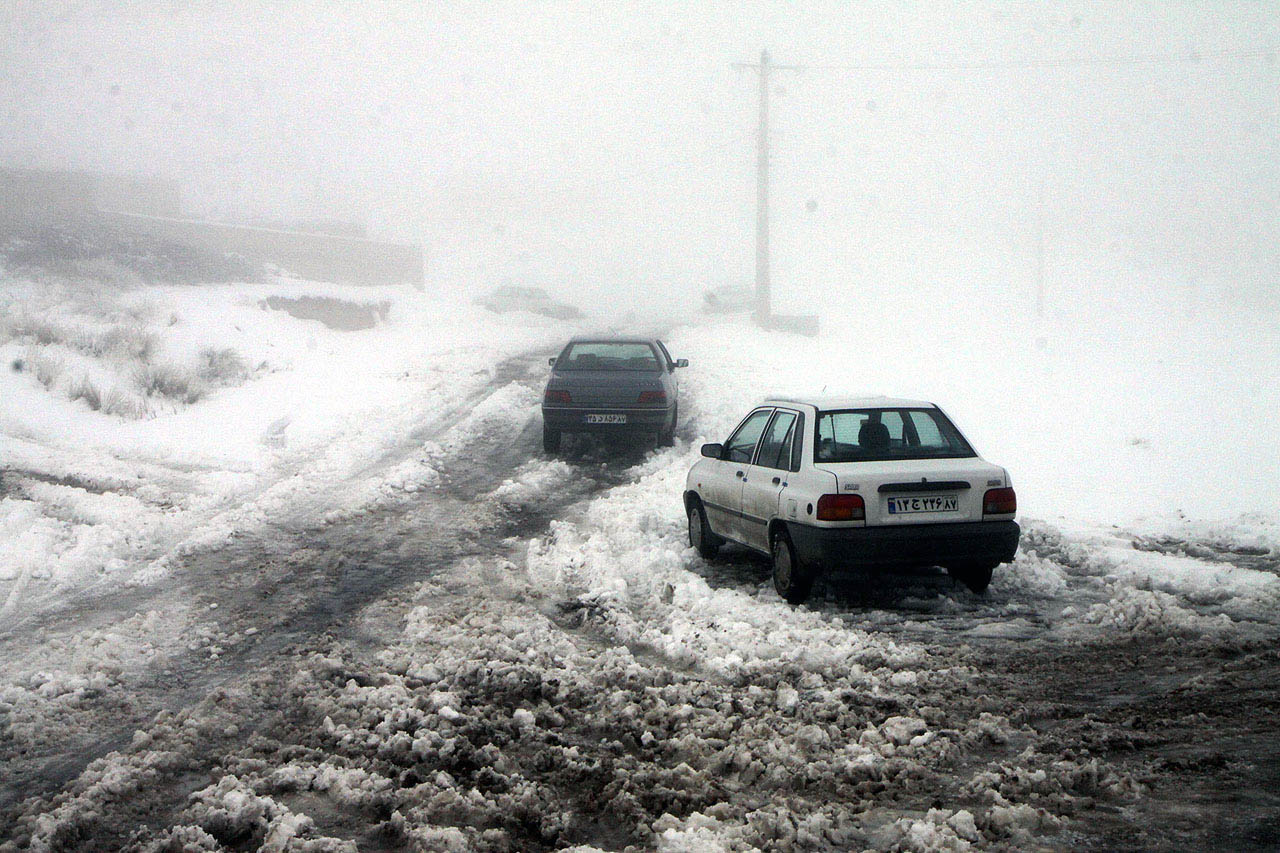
(932, 503)
(606, 419)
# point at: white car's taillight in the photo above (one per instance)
(999, 502)
(841, 508)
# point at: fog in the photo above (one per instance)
(611, 150)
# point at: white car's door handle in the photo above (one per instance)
(741, 474)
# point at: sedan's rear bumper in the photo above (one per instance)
(575, 420)
(907, 545)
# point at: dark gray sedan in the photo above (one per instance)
(612, 385)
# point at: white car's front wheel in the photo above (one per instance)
(701, 537)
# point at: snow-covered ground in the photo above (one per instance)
(368, 612)
(306, 419)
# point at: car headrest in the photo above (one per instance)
(873, 435)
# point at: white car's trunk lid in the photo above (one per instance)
(918, 491)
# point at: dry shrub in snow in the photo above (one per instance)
(86, 390)
(46, 368)
(130, 342)
(36, 330)
(169, 381)
(125, 405)
(125, 342)
(221, 367)
(113, 401)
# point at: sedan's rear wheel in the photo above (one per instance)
(667, 435)
(976, 576)
(791, 578)
(550, 439)
(701, 537)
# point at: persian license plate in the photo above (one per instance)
(932, 503)
(606, 419)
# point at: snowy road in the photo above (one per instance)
(241, 609)
(524, 655)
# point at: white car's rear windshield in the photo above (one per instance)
(865, 435)
(607, 355)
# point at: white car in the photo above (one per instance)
(821, 484)
(533, 300)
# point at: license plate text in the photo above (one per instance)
(932, 503)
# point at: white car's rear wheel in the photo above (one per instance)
(791, 578)
(976, 576)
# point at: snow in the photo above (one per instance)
(102, 494)
(703, 709)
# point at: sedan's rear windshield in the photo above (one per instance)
(607, 355)
(865, 435)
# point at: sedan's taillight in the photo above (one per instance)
(841, 508)
(556, 398)
(652, 398)
(999, 502)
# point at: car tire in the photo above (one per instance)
(701, 536)
(667, 436)
(976, 576)
(791, 578)
(550, 439)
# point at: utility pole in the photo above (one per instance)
(763, 308)
(1040, 249)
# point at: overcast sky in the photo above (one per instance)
(579, 142)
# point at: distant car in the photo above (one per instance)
(825, 483)
(534, 300)
(729, 300)
(612, 385)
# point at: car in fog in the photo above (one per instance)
(621, 386)
(533, 300)
(824, 484)
(729, 300)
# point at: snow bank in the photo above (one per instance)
(1099, 418)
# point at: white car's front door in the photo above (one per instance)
(739, 450)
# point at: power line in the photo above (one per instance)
(1065, 62)
(558, 199)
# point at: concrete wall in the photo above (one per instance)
(147, 206)
(39, 196)
(42, 195)
(324, 257)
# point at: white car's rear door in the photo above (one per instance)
(766, 478)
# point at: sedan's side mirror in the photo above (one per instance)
(552, 361)
(682, 362)
(713, 451)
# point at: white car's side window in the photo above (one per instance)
(775, 449)
(741, 445)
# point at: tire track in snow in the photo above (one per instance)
(286, 588)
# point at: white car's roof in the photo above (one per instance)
(829, 403)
